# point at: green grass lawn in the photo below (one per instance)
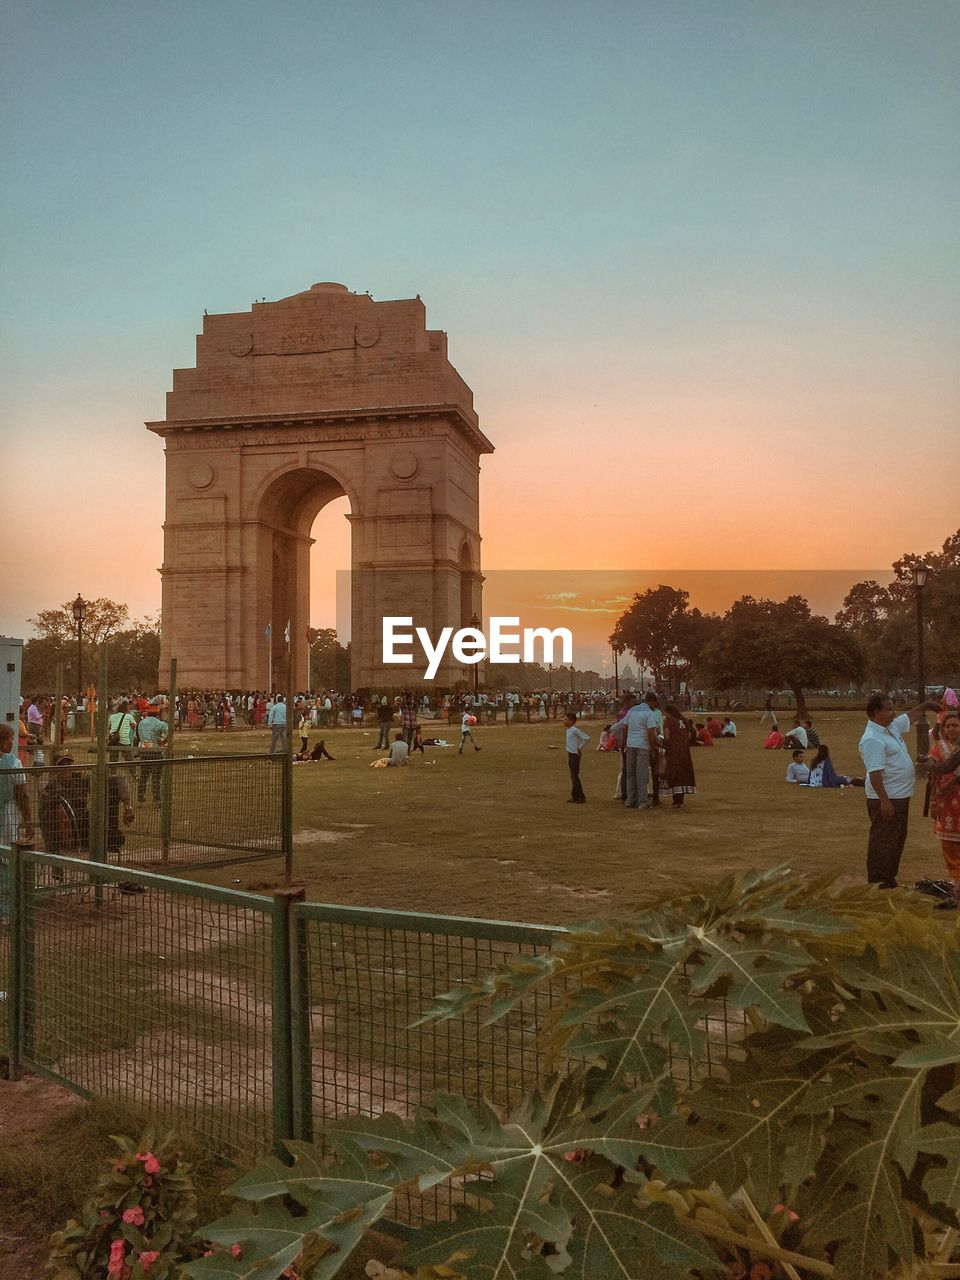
(490, 834)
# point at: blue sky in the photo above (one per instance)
(711, 241)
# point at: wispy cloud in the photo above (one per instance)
(562, 595)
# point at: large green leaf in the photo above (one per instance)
(904, 1005)
(750, 1130)
(756, 967)
(339, 1199)
(531, 1194)
(627, 1024)
(857, 1200)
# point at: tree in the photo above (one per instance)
(103, 616)
(883, 619)
(133, 648)
(329, 659)
(777, 644)
(663, 632)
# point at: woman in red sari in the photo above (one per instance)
(945, 794)
(678, 779)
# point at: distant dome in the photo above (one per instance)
(328, 286)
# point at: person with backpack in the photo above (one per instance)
(121, 733)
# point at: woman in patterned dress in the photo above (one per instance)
(945, 794)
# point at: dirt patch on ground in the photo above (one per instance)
(310, 835)
(25, 1106)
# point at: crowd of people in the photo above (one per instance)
(654, 735)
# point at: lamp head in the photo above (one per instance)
(79, 608)
(920, 572)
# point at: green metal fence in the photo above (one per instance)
(363, 977)
(148, 988)
(179, 812)
(251, 1019)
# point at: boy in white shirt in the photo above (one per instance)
(465, 725)
(576, 739)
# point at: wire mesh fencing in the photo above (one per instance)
(170, 812)
(151, 990)
(252, 1019)
(6, 1004)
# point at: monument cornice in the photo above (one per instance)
(393, 421)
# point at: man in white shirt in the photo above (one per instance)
(399, 752)
(729, 729)
(639, 725)
(797, 736)
(797, 771)
(890, 779)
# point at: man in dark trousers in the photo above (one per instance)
(890, 779)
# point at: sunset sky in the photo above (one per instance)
(698, 261)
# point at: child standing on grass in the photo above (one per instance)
(576, 739)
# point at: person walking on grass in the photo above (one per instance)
(466, 724)
(891, 778)
(576, 739)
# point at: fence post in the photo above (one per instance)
(14, 989)
(28, 954)
(97, 843)
(300, 1027)
(166, 784)
(283, 1123)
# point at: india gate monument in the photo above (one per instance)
(292, 404)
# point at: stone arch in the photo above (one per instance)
(292, 404)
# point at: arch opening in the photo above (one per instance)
(289, 510)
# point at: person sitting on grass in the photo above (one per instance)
(729, 729)
(399, 752)
(319, 752)
(797, 736)
(774, 740)
(608, 740)
(797, 771)
(823, 774)
(704, 735)
(714, 727)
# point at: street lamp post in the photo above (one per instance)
(920, 572)
(616, 672)
(79, 613)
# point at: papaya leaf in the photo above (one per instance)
(425, 1150)
(750, 1130)
(270, 1236)
(857, 1200)
(907, 1005)
(616, 1025)
(941, 1183)
(756, 968)
(345, 1180)
(539, 1190)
